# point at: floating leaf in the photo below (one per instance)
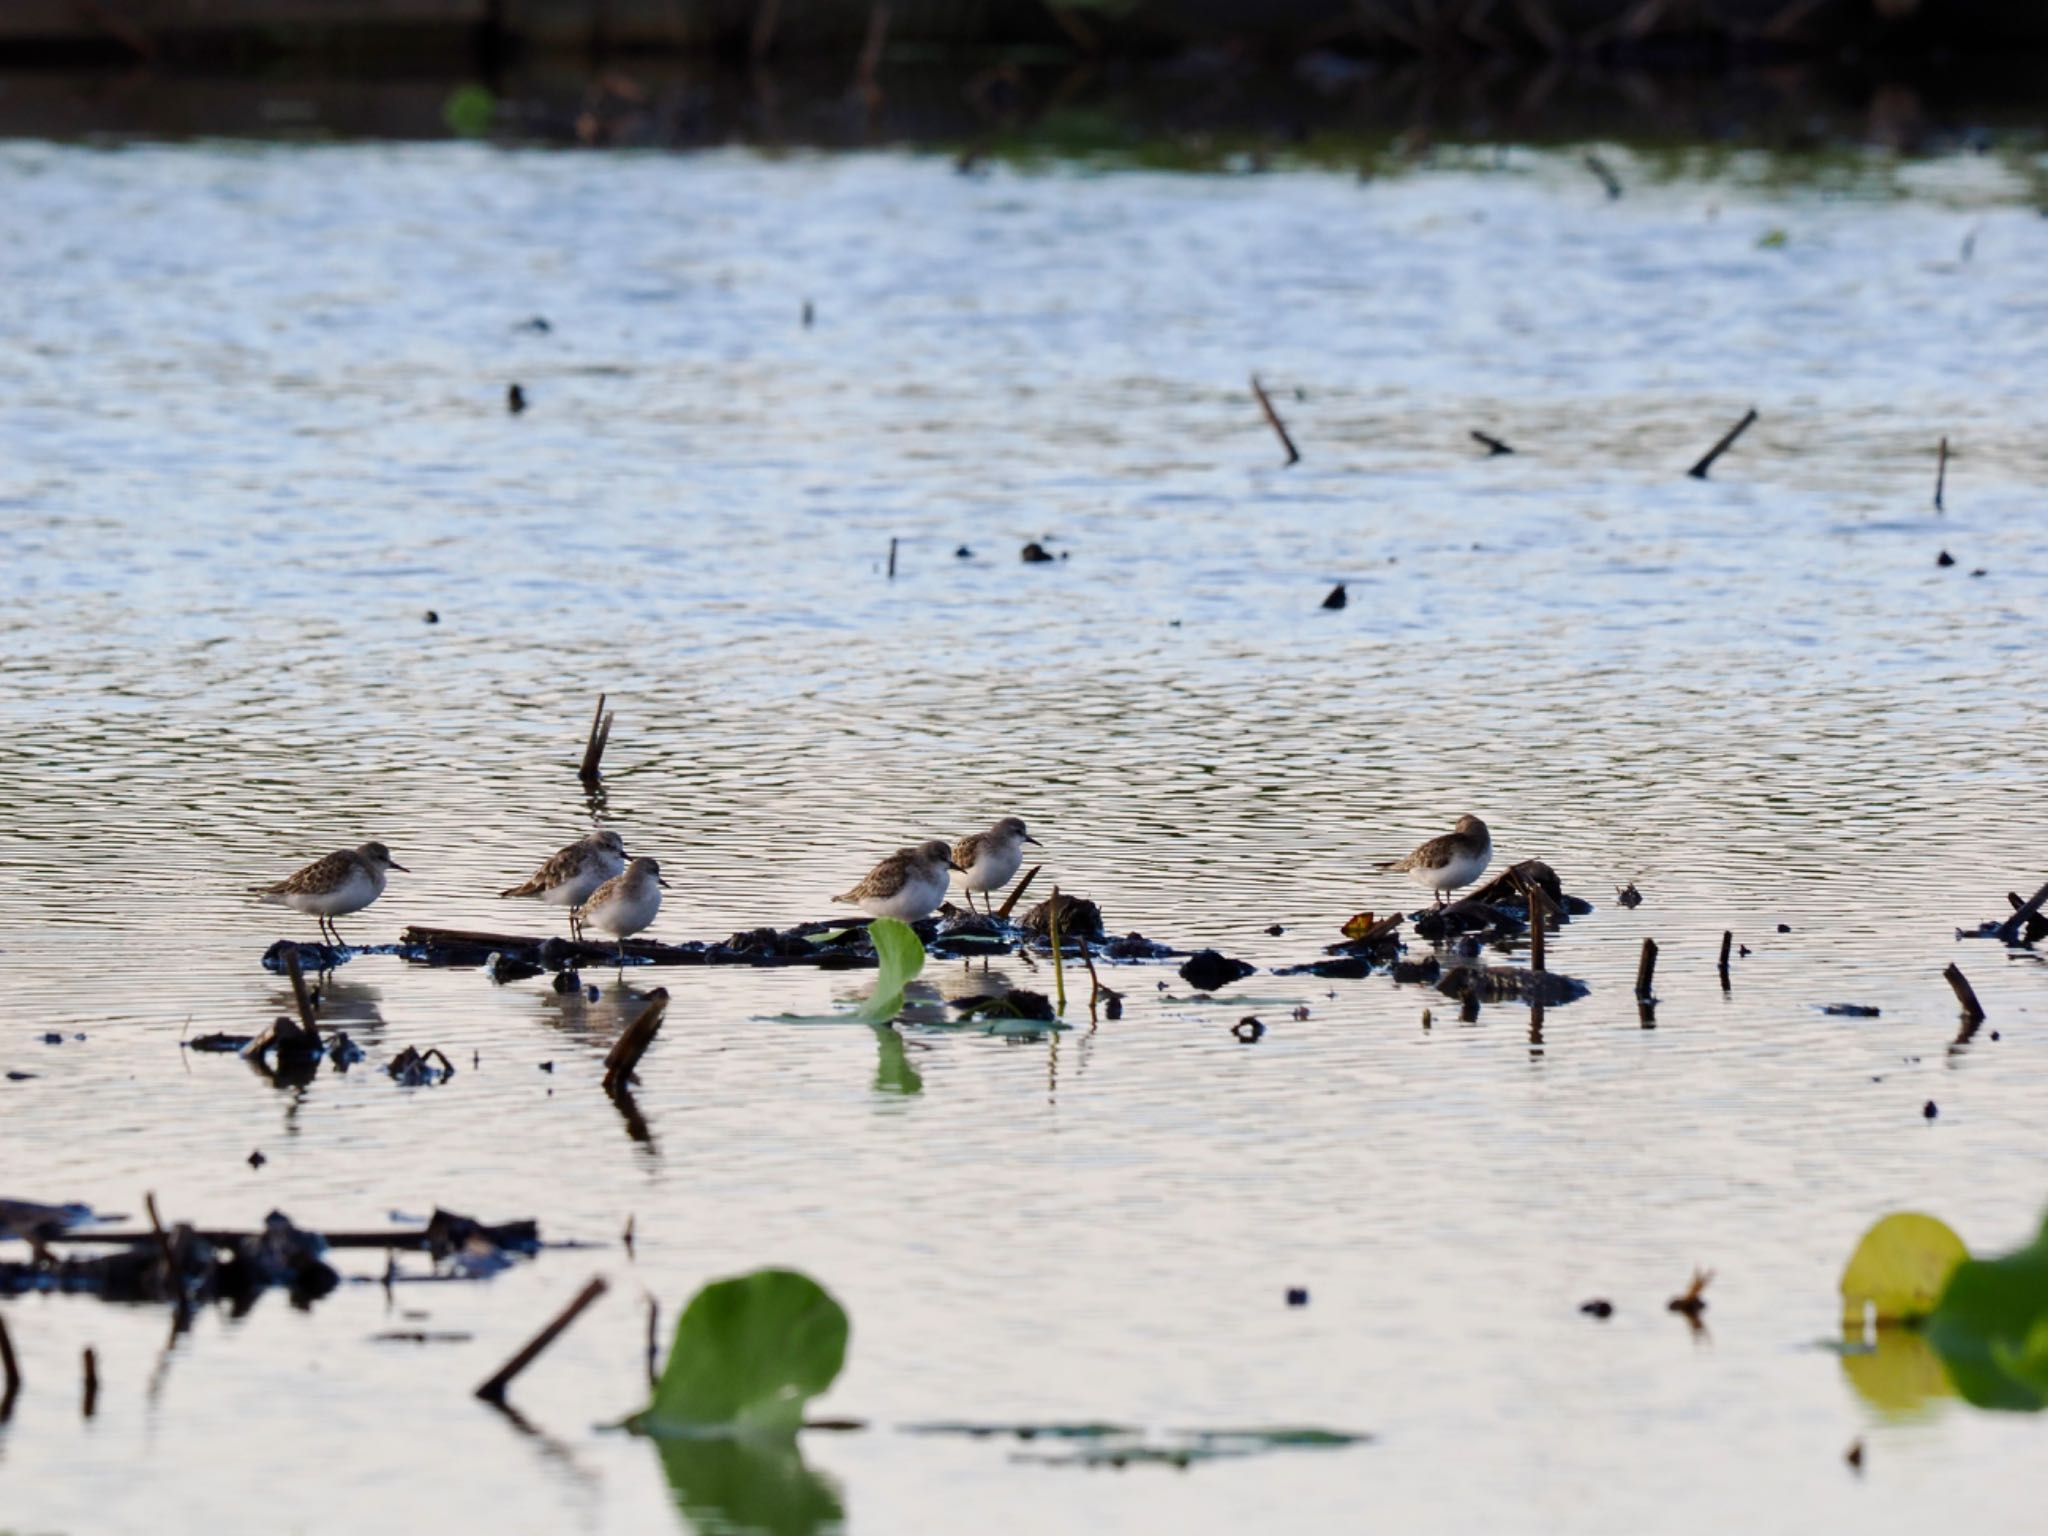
(1988, 1327)
(1772, 240)
(1900, 1266)
(748, 1354)
(469, 110)
(1898, 1373)
(901, 953)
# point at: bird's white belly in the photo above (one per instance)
(916, 898)
(992, 871)
(624, 916)
(576, 890)
(352, 895)
(1462, 870)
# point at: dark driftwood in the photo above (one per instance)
(1017, 890)
(510, 1234)
(632, 1044)
(1727, 943)
(1646, 967)
(1273, 420)
(1965, 993)
(593, 749)
(11, 1368)
(493, 1391)
(1941, 477)
(2009, 930)
(298, 976)
(92, 1381)
(1494, 446)
(1699, 470)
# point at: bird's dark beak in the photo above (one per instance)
(961, 867)
(400, 867)
(662, 883)
(1034, 842)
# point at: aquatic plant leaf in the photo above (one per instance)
(749, 1485)
(1900, 1266)
(749, 1352)
(1772, 240)
(1988, 1328)
(901, 954)
(469, 110)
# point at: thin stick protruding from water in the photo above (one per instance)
(1965, 993)
(633, 1042)
(1273, 420)
(11, 1369)
(1010, 901)
(1645, 969)
(892, 559)
(1941, 476)
(865, 80)
(1699, 470)
(1494, 446)
(1532, 894)
(1727, 943)
(1059, 974)
(92, 1382)
(2009, 930)
(593, 749)
(291, 967)
(493, 1391)
(1606, 174)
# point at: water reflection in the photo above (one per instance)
(747, 1487)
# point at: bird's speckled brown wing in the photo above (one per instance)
(560, 869)
(320, 876)
(884, 880)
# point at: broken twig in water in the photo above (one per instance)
(92, 1382)
(1493, 445)
(2023, 912)
(1607, 177)
(633, 1042)
(1727, 943)
(892, 559)
(493, 1391)
(1273, 420)
(1699, 470)
(1645, 968)
(1941, 476)
(1017, 891)
(593, 749)
(1059, 975)
(11, 1369)
(291, 966)
(1965, 993)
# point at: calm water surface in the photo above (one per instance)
(252, 428)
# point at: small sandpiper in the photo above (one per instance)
(346, 881)
(624, 904)
(1444, 863)
(909, 884)
(573, 873)
(991, 859)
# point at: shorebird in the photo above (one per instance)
(990, 859)
(572, 874)
(909, 884)
(346, 881)
(624, 904)
(1444, 863)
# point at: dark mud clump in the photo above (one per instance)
(1207, 970)
(1079, 919)
(1510, 984)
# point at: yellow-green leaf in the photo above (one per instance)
(1901, 1266)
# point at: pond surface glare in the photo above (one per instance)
(252, 428)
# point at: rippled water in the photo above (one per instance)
(251, 405)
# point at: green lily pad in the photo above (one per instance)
(1991, 1328)
(1900, 1268)
(901, 956)
(748, 1354)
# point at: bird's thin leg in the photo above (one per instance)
(339, 942)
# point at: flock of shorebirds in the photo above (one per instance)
(606, 891)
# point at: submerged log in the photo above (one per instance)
(1510, 984)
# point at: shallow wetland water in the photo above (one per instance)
(251, 405)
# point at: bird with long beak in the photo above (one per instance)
(625, 904)
(345, 881)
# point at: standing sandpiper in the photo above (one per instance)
(1444, 863)
(346, 881)
(909, 884)
(624, 904)
(990, 859)
(569, 878)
